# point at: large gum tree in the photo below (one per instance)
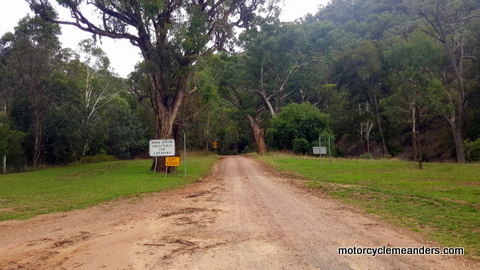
(171, 35)
(453, 23)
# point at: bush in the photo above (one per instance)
(366, 156)
(300, 146)
(303, 121)
(98, 158)
(473, 150)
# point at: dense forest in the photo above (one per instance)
(379, 78)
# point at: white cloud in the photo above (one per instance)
(295, 9)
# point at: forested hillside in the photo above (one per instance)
(377, 77)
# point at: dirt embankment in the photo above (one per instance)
(243, 216)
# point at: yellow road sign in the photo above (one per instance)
(172, 161)
(214, 144)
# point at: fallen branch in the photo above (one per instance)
(154, 244)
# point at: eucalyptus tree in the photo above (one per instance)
(7, 80)
(362, 71)
(125, 135)
(274, 54)
(417, 89)
(34, 48)
(231, 87)
(98, 87)
(453, 23)
(367, 19)
(208, 118)
(171, 35)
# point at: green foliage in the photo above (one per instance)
(10, 141)
(418, 51)
(473, 150)
(366, 156)
(62, 137)
(301, 146)
(296, 121)
(126, 137)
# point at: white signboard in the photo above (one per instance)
(319, 150)
(162, 148)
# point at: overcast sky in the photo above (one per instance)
(123, 56)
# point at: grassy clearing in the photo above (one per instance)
(442, 200)
(25, 195)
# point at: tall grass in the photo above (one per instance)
(442, 200)
(24, 195)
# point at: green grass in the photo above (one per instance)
(442, 200)
(24, 195)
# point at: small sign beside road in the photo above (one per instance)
(172, 161)
(162, 148)
(215, 145)
(319, 150)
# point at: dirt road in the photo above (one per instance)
(244, 216)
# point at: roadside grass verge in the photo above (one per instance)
(25, 195)
(442, 201)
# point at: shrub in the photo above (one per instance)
(366, 156)
(473, 150)
(300, 146)
(296, 121)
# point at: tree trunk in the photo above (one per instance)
(461, 110)
(206, 134)
(458, 139)
(37, 141)
(84, 151)
(165, 120)
(361, 136)
(166, 114)
(368, 131)
(458, 123)
(361, 125)
(4, 164)
(258, 134)
(417, 153)
(379, 124)
(414, 134)
(459, 147)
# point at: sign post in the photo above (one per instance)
(185, 152)
(215, 146)
(320, 150)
